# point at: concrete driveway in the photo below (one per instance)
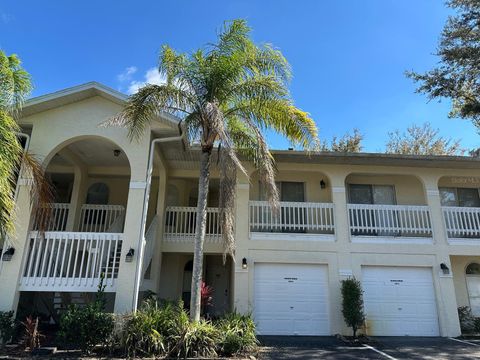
(392, 348)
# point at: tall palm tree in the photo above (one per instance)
(15, 85)
(226, 94)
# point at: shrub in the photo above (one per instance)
(352, 304)
(7, 326)
(237, 334)
(154, 329)
(198, 339)
(467, 320)
(85, 327)
(31, 335)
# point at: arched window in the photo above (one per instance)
(98, 194)
(473, 269)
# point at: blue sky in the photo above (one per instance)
(348, 56)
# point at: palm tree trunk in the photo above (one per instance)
(203, 181)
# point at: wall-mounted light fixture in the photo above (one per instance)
(323, 185)
(444, 268)
(117, 152)
(244, 263)
(7, 254)
(129, 256)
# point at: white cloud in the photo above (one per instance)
(152, 76)
(127, 74)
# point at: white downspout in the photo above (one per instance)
(141, 238)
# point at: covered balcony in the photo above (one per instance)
(305, 212)
(388, 209)
(460, 199)
(78, 239)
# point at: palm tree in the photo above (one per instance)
(225, 94)
(15, 85)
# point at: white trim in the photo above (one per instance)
(292, 237)
(433, 192)
(138, 184)
(391, 240)
(463, 241)
(338, 189)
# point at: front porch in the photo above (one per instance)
(176, 280)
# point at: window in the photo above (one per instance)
(288, 191)
(372, 194)
(463, 197)
(473, 269)
(98, 194)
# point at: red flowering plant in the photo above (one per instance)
(206, 293)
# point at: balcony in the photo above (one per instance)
(294, 221)
(390, 224)
(63, 259)
(180, 223)
(462, 224)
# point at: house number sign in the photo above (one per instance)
(290, 279)
(466, 180)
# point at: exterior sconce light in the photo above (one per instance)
(445, 269)
(323, 185)
(117, 152)
(129, 256)
(244, 263)
(7, 254)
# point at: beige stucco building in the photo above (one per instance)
(408, 227)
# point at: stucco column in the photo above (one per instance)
(445, 289)
(240, 278)
(344, 260)
(10, 271)
(125, 283)
(78, 198)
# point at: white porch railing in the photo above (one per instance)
(150, 240)
(101, 218)
(71, 261)
(292, 217)
(180, 224)
(462, 222)
(53, 218)
(389, 220)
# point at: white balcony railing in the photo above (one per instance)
(53, 218)
(462, 222)
(389, 220)
(292, 217)
(180, 223)
(71, 261)
(102, 218)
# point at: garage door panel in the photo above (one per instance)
(291, 299)
(399, 301)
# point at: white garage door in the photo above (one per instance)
(291, 299)
(399, 301)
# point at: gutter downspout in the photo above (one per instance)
(141, 238)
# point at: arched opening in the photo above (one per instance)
(187, 283)
(91, 177)
(387, 205)
(460, 200)
(472, 276)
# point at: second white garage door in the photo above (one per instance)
(399, 301)
(291, 299)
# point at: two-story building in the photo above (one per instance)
(408, 227)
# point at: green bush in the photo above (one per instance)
(237, 334)
(198, 339)
(352, 304)
(154, 329)
(87, 326)
(467, 320)
(7, 326)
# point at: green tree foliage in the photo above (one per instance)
(348, 143)
(352, 304)
(14, 88)
(226, 93)
(422, 140)
(457, 75)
